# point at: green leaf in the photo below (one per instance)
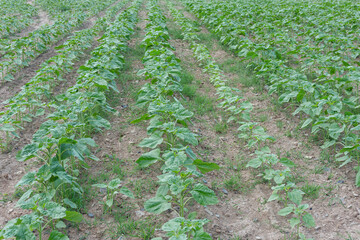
(294, 222)
(296, 196)
(55, 235)
(149, 158)
(328, 144)
(40, 112)
(205, 167)
(186, 135)
(274, 196)
(7, 127)
(73, 216)
(109, 202)
(54, 210)
(203, 195)
(309, 220)
(114, 184)
(307, 122)
(287, 162)
(127, 192)
(202, 236)
(192, 215)
(254, 163)
(162, 190)
(357, 181)
(60, 224)
(142, 118)
(28, 179)
(157, 205)
(23, 232)
(29, 151)
(70, 203)
(99, 185)
(151, 142)
(285, 211)
(23, 201)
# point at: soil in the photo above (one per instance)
(242, 210)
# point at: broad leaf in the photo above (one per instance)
(205, 167)
(157, 205)
(55, 235)
(73, 216)
(149, 158)
(203, 195)
(285, 211)
(308, 220)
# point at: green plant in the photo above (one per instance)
(112, 189)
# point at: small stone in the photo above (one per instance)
(355, 194)
(308, 157)
(225, 191)
(258, 238)
(208, 212)
(10, 210)
(343, 201)
(217, 215)
(317, 228)
(90, 215)
(139, 214)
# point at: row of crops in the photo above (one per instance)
(169, 137)
(273, 169)
(33, 100)
(311, 66)
(15, 16)
(62, 142)
(17, 53)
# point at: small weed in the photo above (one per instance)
(279, 124)
(204, 104)
(311, 191)
(236, 184)
(263, 118)
(220, 127)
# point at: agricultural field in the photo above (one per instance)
(179, 119)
